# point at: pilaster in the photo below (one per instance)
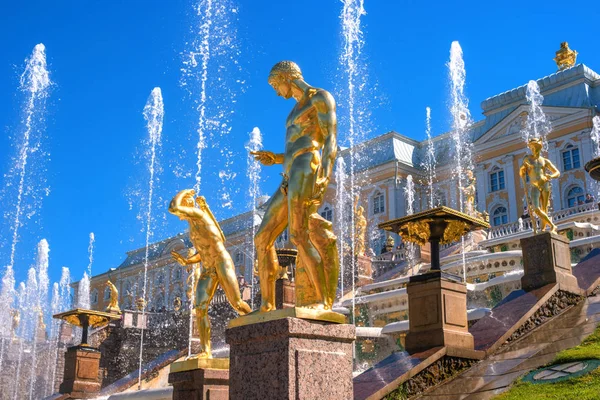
(509, 180)
(481, 178)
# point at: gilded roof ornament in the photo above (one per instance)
(565, 57)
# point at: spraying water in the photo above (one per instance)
(595, 134)
(355, 75)
(91, 254)
(53, 340)
(341, 179)
(60, 302)
(153, 114)
(35, 83)
(83, 292)
(429, 164)
(461, 120)
(537, 126)
(209, 72)
(253, 168)
(22, 307)
(409, 191)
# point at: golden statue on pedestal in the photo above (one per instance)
(310, 150)
(469, 191)
(360, 228)
(565, 57)
(537, 191)
(113, 304)
(218, 268)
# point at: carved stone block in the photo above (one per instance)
(200, 384)
(80, 378)
(291, 358)
(547, 260)
(437, 307)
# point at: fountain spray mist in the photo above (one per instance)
(210, 73)
(91, 254)
(537, 125)
(35, 83)
(154, 115)
(409, 191)
(253, 168)
(341, 179)
(461, 120)
(355, 75)
(429, 164)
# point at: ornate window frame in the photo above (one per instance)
(326, 207)
(376, 192)
(570, 145)
(569, 184)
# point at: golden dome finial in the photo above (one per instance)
(565, 57)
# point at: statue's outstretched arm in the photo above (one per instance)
(267, 158)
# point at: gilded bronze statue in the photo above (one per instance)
(537, 191)
(469, 191)
(310, 150)
(218, 268)
(113, 303)
(360, 228)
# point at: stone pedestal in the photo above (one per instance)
(200, 383)
(547, 260)
(285, 293)
(80, 378)
(291, 358)
(365, 270)
(437, 307)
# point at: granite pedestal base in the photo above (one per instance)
(547, 260)
(80, 379)
(291, 358)
(437, 306)
(200, 384)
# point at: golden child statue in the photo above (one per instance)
(113, 304)
(310, 150)
(537, 191)
(209, 241)
(361, 228)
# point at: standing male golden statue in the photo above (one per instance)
(537, 192)
(308, 158)
(218, 268)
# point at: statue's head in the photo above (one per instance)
(535, 144)
(282, 75)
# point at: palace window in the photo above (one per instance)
(106, 294)
(571, 158)
(575, 196)
(378, 203)
(440, 198)
(178, 274)
(327, 213)
(94, 296)
(239, 258)
(496, 179)
(499, 216)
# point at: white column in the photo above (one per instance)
(553, 156)
(392, 199)
(509, 180)
(481, 182)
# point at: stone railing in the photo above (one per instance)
(525, 224)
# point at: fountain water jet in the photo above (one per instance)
(91, 253)
(429, 163)
(537, 125)
(409, 191)
(83, 292)
(253, 171)
(153, 114)
(461, 121)
(35, 82)
(342, 226)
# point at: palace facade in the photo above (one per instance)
(571, 100)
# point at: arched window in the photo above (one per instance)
(177, 274)
(378, 203)
(575, 196)
(499, 216)
(106, 293)
(94, 296)
(327, 213)
(570, 158)
(496, 179)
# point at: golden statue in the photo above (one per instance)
(218, 268)
(194, 273)
(113, 304)
(140, 303)
(537, 191)
(177, 303)
(469, 192)
(41, 324)
(360, 229)
(310, 150)
(565, 57)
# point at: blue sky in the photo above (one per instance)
(105, 58)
